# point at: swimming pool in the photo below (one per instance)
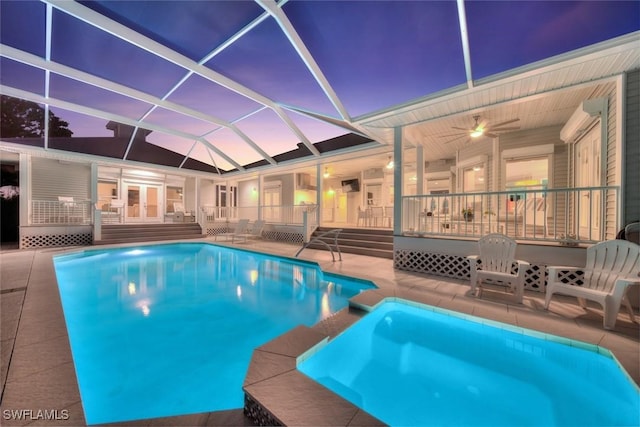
(410, 365)
(169, 329)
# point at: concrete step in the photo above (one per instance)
(370, 242)
(129, 233)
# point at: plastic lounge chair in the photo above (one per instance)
(253, 233)
(181, 215)
(495, 262)
(612, 266)
(632, 232)
(240, 228)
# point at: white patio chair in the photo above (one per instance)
(71, 211)
(495, 262)
(181, 215)
(611, 267)
(632, 232)
(377, 215)
(240, 228)
(255, 232)
(114, 211)
(363, 216)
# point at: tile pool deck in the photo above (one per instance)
(37, 373)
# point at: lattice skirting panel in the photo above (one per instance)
(54, 240)
(456, 266)
(283, 236)
(213, 229)
(275, 235)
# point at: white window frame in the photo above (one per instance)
(482, 161)
(525, 153)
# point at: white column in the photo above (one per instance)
(398, 182)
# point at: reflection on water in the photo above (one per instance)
(150, 325)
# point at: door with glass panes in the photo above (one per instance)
(143, 202)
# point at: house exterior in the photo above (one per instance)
(555, 166)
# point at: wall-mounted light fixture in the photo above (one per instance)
(390, 163)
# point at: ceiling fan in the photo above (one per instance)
(481, 128)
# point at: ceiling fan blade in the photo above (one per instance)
(455, 139)
(452, 134)
(490, 135)
(464, 129)
(497, 125)
(503, 129)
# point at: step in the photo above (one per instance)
(130, 233)
(359, 243)
(157, 238)
(370, 242)
(373, 231)
(366, 251)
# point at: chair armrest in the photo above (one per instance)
(473, 263)
(621, 285)
(522, 267)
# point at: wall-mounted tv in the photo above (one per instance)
(350, 185)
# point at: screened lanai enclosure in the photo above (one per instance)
(447, 119)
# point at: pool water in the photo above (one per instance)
(170, 329)
(411, 366)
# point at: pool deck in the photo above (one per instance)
(37, 370)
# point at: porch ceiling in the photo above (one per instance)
(228, 86)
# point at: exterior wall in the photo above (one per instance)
(48, 179)
(612, 166)
(631, 175)
(52, 178)
(207, 192)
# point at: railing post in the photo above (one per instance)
(97, 225)
(305, 227)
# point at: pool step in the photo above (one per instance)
(131, 233)
(370, 242)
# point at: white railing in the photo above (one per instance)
(49, 212)
(218, 213)
(290, 215)
(568, 215)
(273, 214)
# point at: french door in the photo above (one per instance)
(272, 211)
(589, 203)
(144, 203)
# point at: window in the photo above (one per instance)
(472, 175)
(473, 179)
(174, 195)
(107, 191)
(531, 173)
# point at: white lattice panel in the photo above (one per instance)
(283, 236)
(456, 266)
(571, 277)
(54, 240)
